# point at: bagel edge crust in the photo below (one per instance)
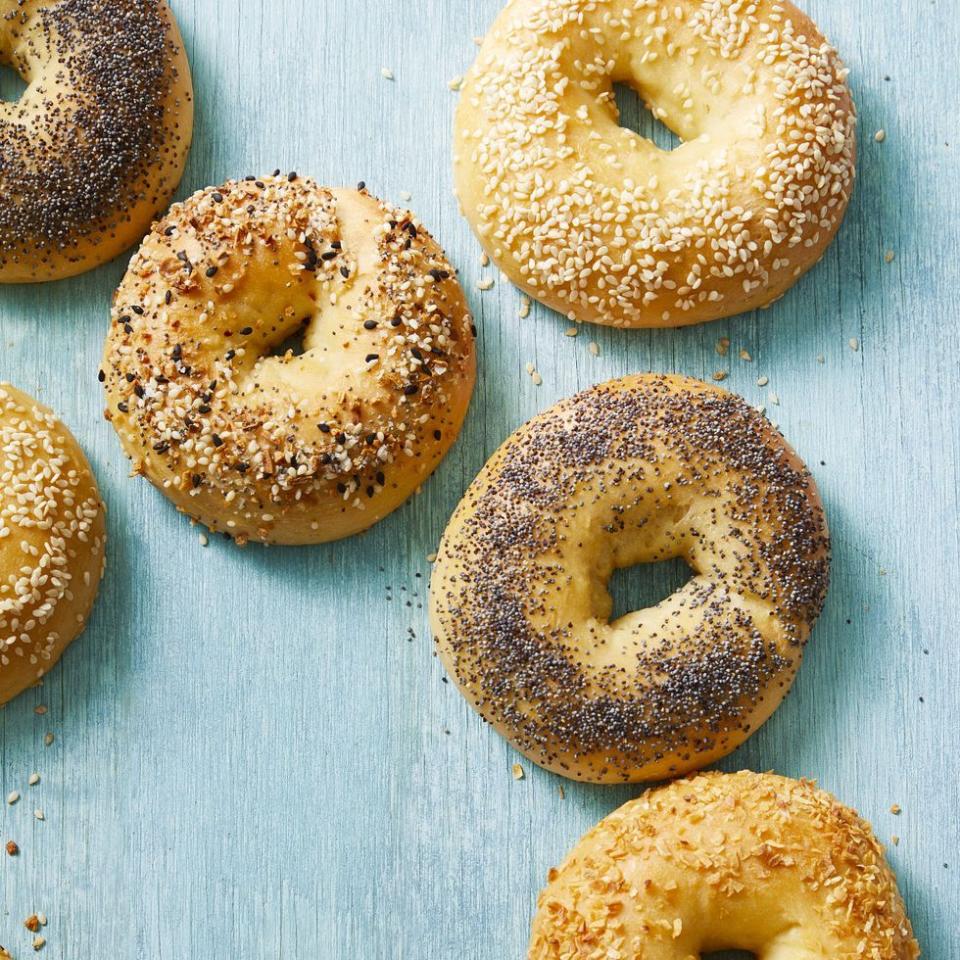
(112, 74)
(601, 225)
(738, 861)
(288, 449)
(502, 595)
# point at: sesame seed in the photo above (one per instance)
(386, 73)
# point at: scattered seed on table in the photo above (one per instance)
(722, 346)
(517, 772)
(745, 355)
(854, 344)
(571, 331)
(39, 814)
(386, 73)
(880, 136)
(12, 849)
(455, 84)
(485, 284)
(524, 311)
(34, 779)
(889, 256)
(762, 381)
(594, 348)
(719, 375)
(13, 797)
(896, 809)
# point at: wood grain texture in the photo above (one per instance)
(255, 754)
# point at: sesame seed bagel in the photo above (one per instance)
(604, 226)
(52, 540)
(97, 143)
(242, 433)
(632, 471)
(742, 861)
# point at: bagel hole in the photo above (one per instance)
(729, 955)
(637, 117)
(645, 585)
(293, 345)
(12, 85)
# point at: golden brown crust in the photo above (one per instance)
(739, 861)
(632, 471)
(52, 540)
(96, 146)
(288, 448)
(603, 226)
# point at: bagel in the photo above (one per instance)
(97, 143)
(632, 471)
(52, 541)
(286, 448)
(742, 861)
(602, 225)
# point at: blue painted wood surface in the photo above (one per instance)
(255, 754)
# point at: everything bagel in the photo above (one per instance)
(602, 225)
(252, 439)
(632, 471)
(97, 143)
(740, 861)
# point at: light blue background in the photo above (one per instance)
(255, 758)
